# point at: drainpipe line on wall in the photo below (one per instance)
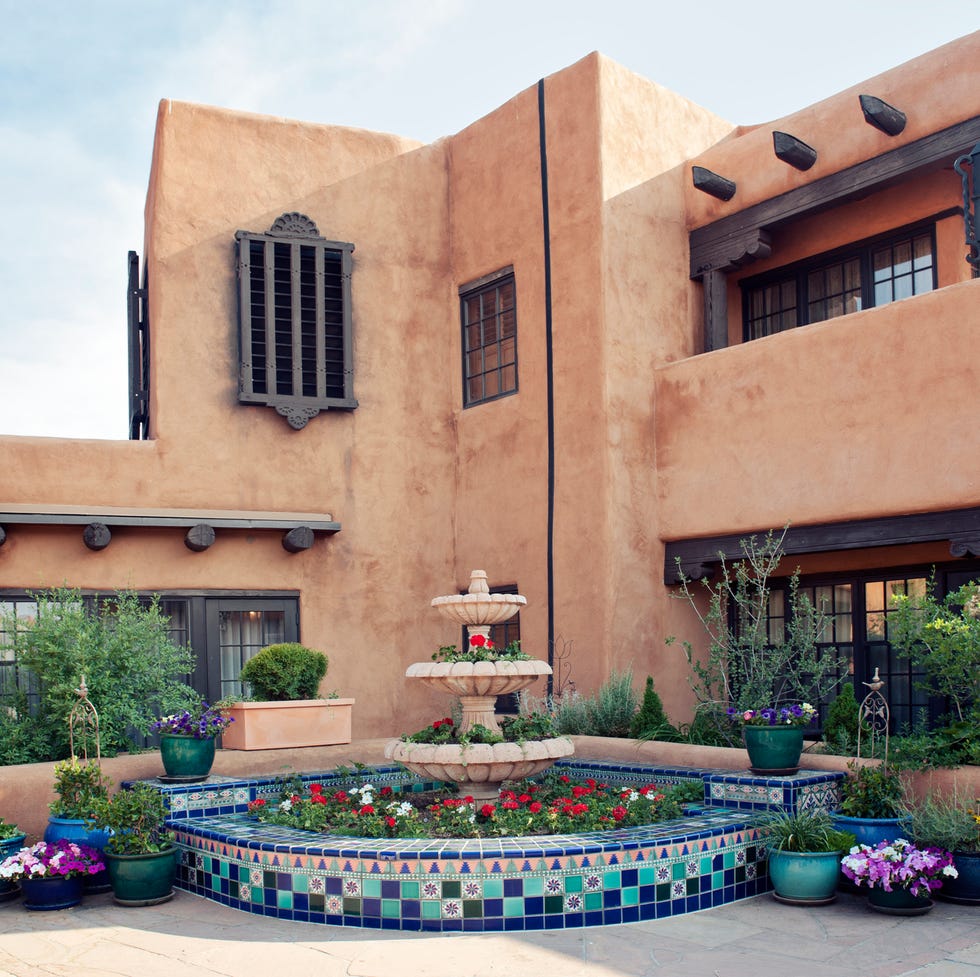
(549, 367)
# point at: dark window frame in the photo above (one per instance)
(498, 368)
(798, 275)
(295, 346)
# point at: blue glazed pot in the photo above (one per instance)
(73, 829)
(872, 831)
(774, 750)
(898, 902)
(966, 887)
(53, 892)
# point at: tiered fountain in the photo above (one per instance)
(478, 769)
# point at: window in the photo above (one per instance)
(295, 331)
(865, 275)
(489, 319)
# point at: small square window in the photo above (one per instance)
(488, 310)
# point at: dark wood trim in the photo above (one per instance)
(96, 536)
(484, 280)
(711, 244)
(199, 538)
(715, 310)
(697, 557)
(178, 518)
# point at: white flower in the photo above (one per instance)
(951, 872)
(286, 805)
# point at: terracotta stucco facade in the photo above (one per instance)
(583, 186)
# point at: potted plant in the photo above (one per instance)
(804, 855)
(952, 823)
(187, 741)
(52, 873)
(79, 788)
(871, 804)
(774, 736)
(900, 876)
(285, 709)
(140, 853)
(11, 838)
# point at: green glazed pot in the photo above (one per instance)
(804, 878)
(774, 750)
(898, 902)
(143, 880)
(186, 758)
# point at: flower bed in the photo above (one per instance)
(557, 805)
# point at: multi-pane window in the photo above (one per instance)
(866, 275)
(489, 320)
(295, 331)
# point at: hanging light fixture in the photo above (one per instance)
(967, 167)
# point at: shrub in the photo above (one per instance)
(80, 787)
(840, 731)
(132, 669)
(871, 792)
(285, 672)
(135, 818)
(651, 722)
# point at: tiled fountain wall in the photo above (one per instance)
(709, 858)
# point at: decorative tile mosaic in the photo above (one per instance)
(709, 858)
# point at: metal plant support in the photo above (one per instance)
(874, 712)
(967, 166)
(85, 718)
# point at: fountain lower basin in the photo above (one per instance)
(709, 858)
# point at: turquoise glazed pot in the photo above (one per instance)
(143, 880)
(186, 758)
(898, 902)
(804, 878)
(73, 829)
(774, 750)
(9, 846)
(53, 892)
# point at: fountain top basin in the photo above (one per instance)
(478, 607)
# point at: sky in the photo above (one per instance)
(80, 84)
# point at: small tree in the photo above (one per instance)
(133, 670)
(651, 722)
(746, 667)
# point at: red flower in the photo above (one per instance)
(316, 788)
(295, 799)
(479, 641)
(487, 810)
(340, 796)
(437, 724)
(579, 791)
(367, 809)
(524, 798)
(564, 779)
(619, 812)
(448, 721)
(510, 805)
(468, 799)
(317, 799)
(534, 807)
(386, 792)
(507, 795)
(580, 809)
(390, 821)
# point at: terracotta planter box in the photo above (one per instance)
(283, 725)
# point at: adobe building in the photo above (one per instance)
(597, 332)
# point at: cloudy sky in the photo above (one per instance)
(80, 82)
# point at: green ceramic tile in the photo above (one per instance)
(258, 894)
(430, 909)
(391, 908)
(631, 895)
(678, 871)
(611, 880)
(224, 869)
(352, 907)
(493, 888)
(534, 886)
(693, 886)
(513, 906)
(553, 904)
(593, 900)
(648, 876)
(573, 883)
(705, 865)
(451, 890)
(371, 888)
(284, 900)
(301, 883)
(663, 892)
(729, 859)
(410, 890)
(717, 880)
(472, 908)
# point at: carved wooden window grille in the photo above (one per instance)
(295, 320)
(862, 276)
(489, 320)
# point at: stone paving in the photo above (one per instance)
(753, 938)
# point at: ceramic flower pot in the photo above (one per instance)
(52, 892)
(185, 758)
(10, 890)
(965, 888)
(143, 880)
(774, 750)
(74, 829)
(898, 902)
(804, 878)
(872, 831)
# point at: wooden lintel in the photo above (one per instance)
(793, 151)
(199, 537)
(96, 536)
(707, 181)
(298, 539)
(881, 115)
